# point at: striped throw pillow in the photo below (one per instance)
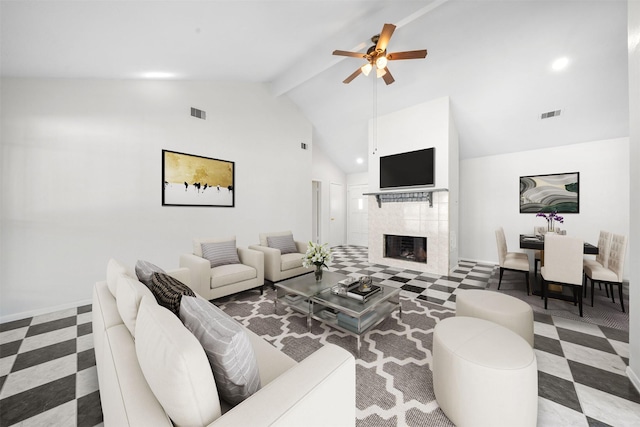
(220, 253)
(169, 291)
(230, 354)
(144, 271)
(284, 243)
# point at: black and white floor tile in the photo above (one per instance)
(48, 371)
(48, 374)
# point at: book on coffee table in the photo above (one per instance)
(361, 295)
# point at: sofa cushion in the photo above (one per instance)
(175, 367)
(114, 270)
(227, 346)
(144, 271)
(289, 261)
(168, 291)
(130, 293)
(220, 253)
(263, 236)
(233, 273)
(284, 243)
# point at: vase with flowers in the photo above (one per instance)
(552, 217)
(317, 255)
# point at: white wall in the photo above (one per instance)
(421, 126)
(81, 178)
(325, 171)
(634, 160)
(361, 178)
(454, 193)
(489, 194)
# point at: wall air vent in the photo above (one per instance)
(198, 113)
(550, 114)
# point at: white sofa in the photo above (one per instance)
(217, 282)
(277, 266)
(319, 391)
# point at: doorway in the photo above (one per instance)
(316, 210)
(336, 218)
(358, 216)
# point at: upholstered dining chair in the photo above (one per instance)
(601, 260)
(513, 261)
(537, 260)
(611, 274)
(562, 266)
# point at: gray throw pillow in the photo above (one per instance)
(220, 253)
(169, 291)
(284, 243)
(144, 271)
(227, 346)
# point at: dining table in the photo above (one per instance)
(536, 242)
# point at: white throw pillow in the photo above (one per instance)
(129, 295)
(230, 354)
(175, 366)
(114, 270)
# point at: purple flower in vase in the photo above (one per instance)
(551, 218)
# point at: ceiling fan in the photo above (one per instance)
(377, 56)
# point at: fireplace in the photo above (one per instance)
(406, 248)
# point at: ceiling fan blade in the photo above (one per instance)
(412, 54)
(355, 74)
(385, 35)
(346, 53)
(388, 78)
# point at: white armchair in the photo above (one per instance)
(281, 264)
(223, 269)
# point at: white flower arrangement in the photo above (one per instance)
(317, 255)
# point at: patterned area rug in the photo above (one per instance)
(394, 378)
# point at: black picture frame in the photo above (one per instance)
(192, 180)
(557, 192)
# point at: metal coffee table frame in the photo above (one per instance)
(315, 298)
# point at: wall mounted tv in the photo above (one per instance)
(411, 169)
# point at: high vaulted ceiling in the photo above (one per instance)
(492, 58)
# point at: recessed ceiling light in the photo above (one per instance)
(359, 160)
(158, 75)
(560, 63)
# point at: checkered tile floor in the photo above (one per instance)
(48, 374)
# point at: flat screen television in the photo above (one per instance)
(411, 169)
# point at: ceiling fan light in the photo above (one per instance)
(366, 69)
(381, 62)
(380, 72)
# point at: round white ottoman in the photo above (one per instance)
(484, 374)
(502, 309)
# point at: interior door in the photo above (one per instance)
(337, 215)
(316, 211)
(358, 216)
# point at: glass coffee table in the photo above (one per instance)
(317, 301)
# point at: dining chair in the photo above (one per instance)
(612, 274)
(513, 261)
(537, 260)
(601, 260)
(562, 266)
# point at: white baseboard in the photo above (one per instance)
(33, 313)
(634, 378)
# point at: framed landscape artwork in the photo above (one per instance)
(559, 192)
(190, 180)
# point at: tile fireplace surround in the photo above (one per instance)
(407, 217)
